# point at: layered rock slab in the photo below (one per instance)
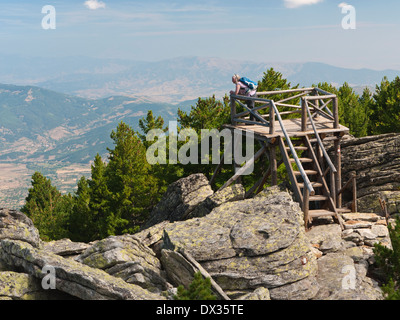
(71, 277)
(248, 244)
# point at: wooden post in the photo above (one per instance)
(306, 206)
(303, 115)
(273, 165)
(335, 113)
(338, 176)
(233, 111)
(271, 120)
(355, 209)
(333, 187)
(236, 144)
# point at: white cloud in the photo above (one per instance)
(298, 3)
(94, 4)
(342, 5)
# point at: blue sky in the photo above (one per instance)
(261, 31)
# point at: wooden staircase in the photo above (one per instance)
(308, 180)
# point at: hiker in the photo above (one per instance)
(243, 89)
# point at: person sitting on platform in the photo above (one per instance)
(244, 90)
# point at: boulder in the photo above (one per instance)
(180, 199)
(71, 277)
(127, 258)
(234, 192)
(376, 160)
(340, 278)
(248, 244)
(20, 286)
(17, 226)
(65, 247)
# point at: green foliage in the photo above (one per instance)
(199, 289)
(389, 261)
(47, 208)
(119, 194)
(163, 174)
(385, 107)
(121, 191)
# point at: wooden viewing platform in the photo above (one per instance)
(311, 118)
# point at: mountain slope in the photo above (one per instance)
(37, 124)
(171, 80)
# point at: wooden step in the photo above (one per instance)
(343, 210)
(304, 160)
(320, 213)
(308, 172)
(318, 198)
(314, 185)
(298, 148)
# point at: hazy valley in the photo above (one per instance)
(59, 112)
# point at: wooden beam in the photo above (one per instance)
(273, 166)
(306, 207)
(264, 93)
(289, 168)
(233, 110)
(216, 171)
(328, 96)
(303, 115)
(338, 175)
(335, 113)
(204, 273)
(240, 171)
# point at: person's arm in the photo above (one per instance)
(237, 89)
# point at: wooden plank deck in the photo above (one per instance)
(293, 128)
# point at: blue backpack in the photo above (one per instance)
(251, 84)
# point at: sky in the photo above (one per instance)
(281, 31)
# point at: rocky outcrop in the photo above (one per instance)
(376, 160)
(17, 226)
(71, 277)
(251, 249)
(127, 258)
(180, 199)
(248, 244)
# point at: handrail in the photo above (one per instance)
(328, 160)
(307, 182)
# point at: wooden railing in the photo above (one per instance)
(313, 102)
(316, 98)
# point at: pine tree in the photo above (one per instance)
(132, 189)
(389, 261)
(199, 289)
(386, 107)
(81, 225)
(47, 208)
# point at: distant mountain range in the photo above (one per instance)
(170, 81)
(57, 113)
(39, 125)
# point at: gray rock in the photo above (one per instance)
(180, 199)
(65, 247)
(376, 160)
(258, 294)
(71, 277)
(22, 286)
(248, 244)
(339, 278)
(17, 226)
(234, 192)
(127, 258)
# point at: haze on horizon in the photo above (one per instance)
(283, 31)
